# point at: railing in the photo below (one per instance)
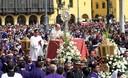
(23, 6)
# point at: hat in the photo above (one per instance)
(77, 61)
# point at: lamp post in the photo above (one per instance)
(46, 16)
(108, 12)
(60, 5)
(57, 7)
(121, 4)
(78, 11)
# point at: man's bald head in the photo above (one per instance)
(57, 27)
(53, 68)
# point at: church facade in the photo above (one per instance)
(99, 9)
(26, 12)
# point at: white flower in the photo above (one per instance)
(107, 55)
(119, 66)
(71, 43)
(111, 58)
(109, 62)
(63, 59)
(69, 58)
(114, 60)
(67, 53)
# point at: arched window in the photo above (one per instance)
(32, 19)
(21, 20)
(9, 20)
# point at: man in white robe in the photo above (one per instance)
(56, 32)
(36, 46)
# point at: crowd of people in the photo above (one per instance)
(16, 63)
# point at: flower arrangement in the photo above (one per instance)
(68, 49)
(115, 62)
(104, 74)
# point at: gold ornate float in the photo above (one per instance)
(25, 44)
(106, 47)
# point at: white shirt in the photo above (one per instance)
(17, 75)
(55, 34)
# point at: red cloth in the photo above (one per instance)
(54, 45)
(52, 48)
(81, 47)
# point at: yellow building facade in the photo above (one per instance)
(78, 9)
(99, 8)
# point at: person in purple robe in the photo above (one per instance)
(37, 72)
(29, 64)
(60, 71)
(2, 44)
(23, 71)
(67, 68)
(47, 63)
(7, 45)
(95, 70)
(5, 64)
(53, 69)
(4, 34)
(1, 65)
(3, 58)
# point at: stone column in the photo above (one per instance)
(15, 21)
(121, 4)
(27, 20)
(3, 21)
(38, 20)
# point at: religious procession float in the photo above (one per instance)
(112, 60)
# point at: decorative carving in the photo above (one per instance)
(106, 47)
(104, 67)
(65, 15)
(25, 44)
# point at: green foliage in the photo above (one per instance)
(65, 38)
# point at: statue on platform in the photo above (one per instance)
(56, 32)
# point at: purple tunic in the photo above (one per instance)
(54, 75)
(24, 73)
(1, 65)
(37, 73)
(93, 74)
(30, 66)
